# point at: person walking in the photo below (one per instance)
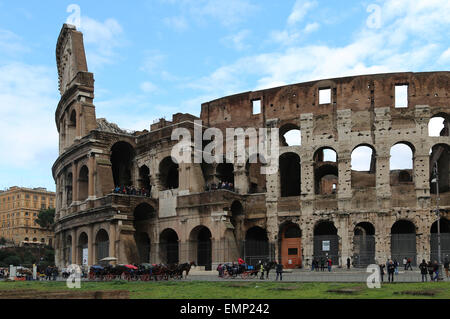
(348, 263)
(382, 271)
(279, 271)
(322, 264)
(391, 271)
(446, 266)
(261, 268)
(404, 262)
(423, 270)
(436, 270)
(409, 264)
(430, 270)
(396, 266)
(329, 264)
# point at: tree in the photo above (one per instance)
(46, 218)
(2, 241)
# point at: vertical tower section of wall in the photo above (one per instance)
(75, 114)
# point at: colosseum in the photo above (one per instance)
(120, 194)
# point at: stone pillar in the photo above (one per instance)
(112, 239)
(345, 247)
(345, 181)
(241, 179)
(74, 247)
(91, 246)
(74, 182)
(78, 124)
(156, 186)
(422, 177)
(383, 178)
(91, 182)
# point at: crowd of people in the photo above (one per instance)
(222, 185)
(322, 264)
(233, 269)
(131, 190)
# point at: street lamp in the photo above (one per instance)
(438, 213)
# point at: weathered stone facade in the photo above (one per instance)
(325, 202)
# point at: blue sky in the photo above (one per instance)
(158, 57)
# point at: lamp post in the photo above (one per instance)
(438, 213)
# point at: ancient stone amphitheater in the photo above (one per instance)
(314, 206)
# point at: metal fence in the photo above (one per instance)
(445, 247)
(364, 250)
(403, 246)
(326, 246)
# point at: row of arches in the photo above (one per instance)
(101, 248)
(438, 125)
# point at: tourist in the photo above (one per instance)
(436, 270)
(409, 264)
(322, 264)
(423, 270)
(446, 266)
(391, 271)
(329, 264)
(261, 268)
(404, 262)
(382, 271)
(348, 263)
(220, 270)
(430, 270)
(279, 270)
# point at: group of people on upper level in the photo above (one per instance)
(131, 190)
(222, 185)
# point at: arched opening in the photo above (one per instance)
(102, 245)
(71, 127)
(403, 241)
(67, 250)
(168, 174)
(440, 156)
(69, 192)
(201, 246)
(326, 172)
(143, 214)
(363, 167)
(256, 246)
(122, 155)
(445, 240)
(326, 242)
(144, 179)
(290, 175)
(168, 247)
(83, 184)
(290, 135)
(364, 245)
(256, 180)
(439, 125)
(401, 164)
(83, 252)
(225, 173)
(291, 246)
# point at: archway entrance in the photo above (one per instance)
(403, 241)
(143, 214)
(326, 242)
(143, 247)
(364, 245)
(102, 243)
(168, 247)
(445, 240)
(201, 246)
(122, 155)
(83, 253)
(291, 246)
(257, 246)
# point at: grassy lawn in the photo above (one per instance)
(251, 290)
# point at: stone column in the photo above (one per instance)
(422, 177)
(241, 179)
(112, 239)
(91, 246)
(74, 182)
(74, 247)
(91, 182)
(345, 181)
(383, 181)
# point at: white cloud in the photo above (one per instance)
(148, 87)
(311, 27)
(301, 8)
(238, 40)
(176, 23)
(10, 43)
(152, 62)
(445, 57)
(101, 39)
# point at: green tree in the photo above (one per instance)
(46, 218)
(2, 241)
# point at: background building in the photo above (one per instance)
(19, 209)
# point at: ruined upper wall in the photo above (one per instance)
(357, 93)
(70, 56)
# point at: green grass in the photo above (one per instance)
(251, 290)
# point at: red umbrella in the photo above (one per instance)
(241, 261)
(131, 267)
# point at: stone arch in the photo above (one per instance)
(326, 172)
(290, 175)
(290, 245)
(364, 244)
(122, 157)
(200, 240)
(363, 162)
(169, 174)
(144, 179)
(83, 183)
(440, 156)
(256, 246)
(403, 241)
(101, 245)
(402, 168)
(169, 246)
(225, 172)
(290, 135)
(83, 251)
(445, 240)
(256, 180)
(439, 125)
(326, 241)
(143, 244)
